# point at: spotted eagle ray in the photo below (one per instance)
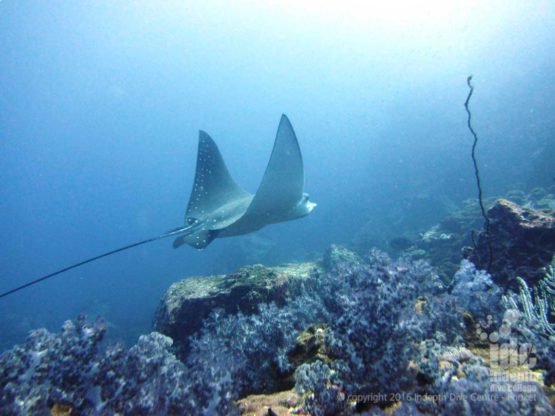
(218, 207)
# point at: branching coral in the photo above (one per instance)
(534, 308)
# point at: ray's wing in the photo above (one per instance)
(283, 182)
(214, 188)
(216, 201)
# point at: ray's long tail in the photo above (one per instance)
(176, 231)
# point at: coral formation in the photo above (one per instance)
(532, 322)
(189, 302)
(50, 371)
(368, 335)
(476, 291)
(454, 237)
(70, 373)
(522, 243)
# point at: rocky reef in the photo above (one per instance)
(519, 242)
(188, 303)
(352, 334)
(521, 224)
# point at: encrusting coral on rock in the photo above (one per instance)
(522, 242)
(189, 302)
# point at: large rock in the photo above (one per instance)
(188, 302)
(522, 242)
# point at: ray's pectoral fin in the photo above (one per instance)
(213, 187)
(282, 185)
(280, 195)
(216, 201)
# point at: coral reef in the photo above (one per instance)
(476, 291)
(374, 323)
(358, 334)
(452, 238)
(522, 242)
(50, 369)
(69, 372)
(460, 383)
(189, 302)
(532, 321)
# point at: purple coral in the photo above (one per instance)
(51, 369)
(71, 369)
(378, 315)
(476, 291)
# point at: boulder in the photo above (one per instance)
(522, 242)
(188, 302)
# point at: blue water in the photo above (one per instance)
(101, 103)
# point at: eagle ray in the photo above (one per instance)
(218, 207)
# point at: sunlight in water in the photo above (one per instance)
(389, 13)
(401, 18)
